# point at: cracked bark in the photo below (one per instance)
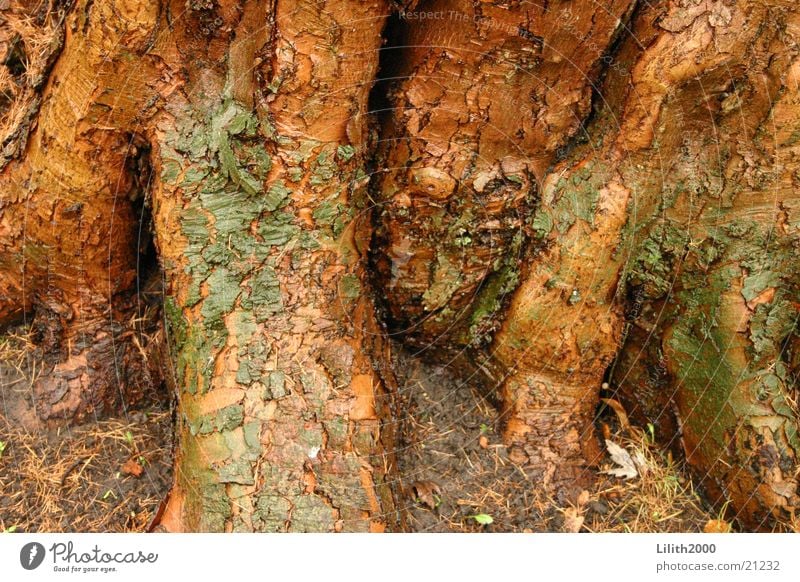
(465, 167)
(523, 229)
(67, 227)
(282, 368)
(590, 221)
(713, 267)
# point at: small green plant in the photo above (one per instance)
(129, 437)
(723, 510)
(485, 428)
(2, 448)
(651, 432)
(11, 529)
(482, 518)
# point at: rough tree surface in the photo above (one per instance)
(549, 199)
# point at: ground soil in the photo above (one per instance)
(105, 476)
(113, 475)
(454, 467)
(109, 476)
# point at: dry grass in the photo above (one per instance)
(452, 448)
(660, 499)
(75, 481)
(19, 369)
(37, 31)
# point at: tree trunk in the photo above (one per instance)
(67, 228)
(256, 133)
(563, 195)
(712, 262)
(281, 366)
(565, 321)
(686, 189)
(464, 170)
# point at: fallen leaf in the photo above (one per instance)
(717, 526)
(606, 430)
(131, 467)
(583, 498)
(641, 462)
(626, 468)
(428, 493)
(573, 521)
(619, 410)
(483, 441)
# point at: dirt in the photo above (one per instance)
(455, 470)
(106, 476)
(112, 475)
(451, 449)
(85, 479)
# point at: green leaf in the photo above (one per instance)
(483, 518)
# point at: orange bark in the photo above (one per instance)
(559, 186)
(282, 368)
(67, 227)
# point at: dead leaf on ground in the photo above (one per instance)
(573, 521)
(641, 462)
(131, 467)
(583, 498)
(717, 526)
(626, 468)
(428, 493)
(483, 441)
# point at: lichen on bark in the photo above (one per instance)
(282, 414)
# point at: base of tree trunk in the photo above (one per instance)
(549, 430)
(542, 178)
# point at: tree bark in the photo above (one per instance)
(564, 195)
(282, 368)
(713, 262)
(592, 220)
(67, 226)
(465, 168)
